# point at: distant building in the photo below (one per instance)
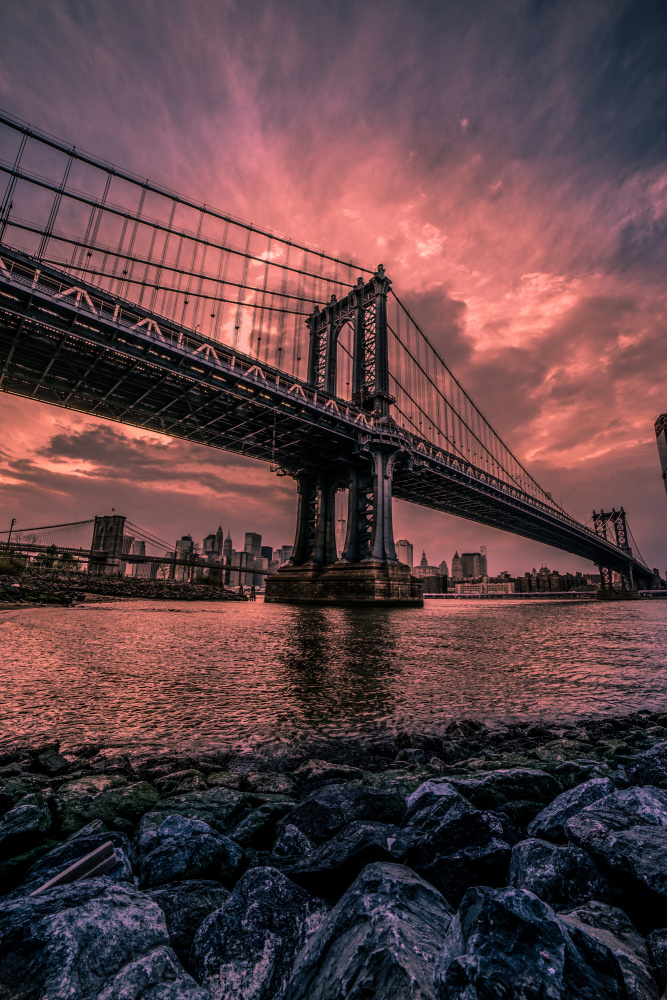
(433, 581)
(486, 586)
(444, 571)
(141, 570)
(473, 565)
(185, 548)
(253, 543)
(266, 552)
(404, 551)
(227, 547)
(457, 567)
(285, 554)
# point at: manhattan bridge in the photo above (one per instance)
(127, 301)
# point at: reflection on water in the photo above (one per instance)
(155, 675)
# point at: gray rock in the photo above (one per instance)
(380, 940)
(186, 848)
(185, 906)
(52, 763)
(507, 943)
(331, 807)
(102, 796)
(638, 859)
(26, 823)
(619, 811)
(550, 823)
(220, 807)
(493, 789)
(651, 767)
(257, 829)
(291, 843)
(92, 939)
(452, 844)
(560, 875)
(329, 869)
(84, 842)
(657, 948)
(245, 951)
(612, 926)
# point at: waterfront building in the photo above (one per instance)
(404, 551)
(486, 586)
(253, 543)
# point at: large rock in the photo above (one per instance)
(550, 823)
(246, 949)
(494, 789)
(52, 763)
(380, 940)
(16, 787)
(93, 939)
(331, 807)
(657, 946)
(220, 807)
(291, 843)
(80, 844)
(618, 811)
(185, 906)
(452, 844)
(104, 797)
(638, 859)
(25, 824)
(560, 875)
(186, 848)
(612, 926)
(507, 943)
(651, 767)
(257, 829)
(330, 868)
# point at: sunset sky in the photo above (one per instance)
(505, 161)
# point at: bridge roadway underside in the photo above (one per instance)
(57, 352)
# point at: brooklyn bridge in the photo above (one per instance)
(129, 302)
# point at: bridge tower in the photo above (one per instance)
(614, 520)
(107, 547)
(369, 571)
(661, 439)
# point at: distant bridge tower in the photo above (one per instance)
(661, 438)
(107, 548)
(369, 570)
(614, 520)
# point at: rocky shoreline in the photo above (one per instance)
(69, 590)
(524, 862)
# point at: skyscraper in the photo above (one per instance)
(404, 552)
(227, 547)
(457, 567)
(253, 543)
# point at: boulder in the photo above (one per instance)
(630, 807)
(493, 789)
(25, 824)
(657, 948)
(637, 858)
(331, 867)
(560, 875)
(185, 906)
(246, 949)
(651, 767)
(220, 807)
(550, 823)
(331, 807)
(185, 848)
(104, 797)
(84, 842)
(270, 781)
(612, 926)
(564, 749)
(452, 844)
(380, 940)
(508, 943)
(181, 782)
(52, 763)
(92, 939)
(257, 829)
(14, 788)
(314, 773)
(291, 843)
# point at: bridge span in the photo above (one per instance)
(309, 363)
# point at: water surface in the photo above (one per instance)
(157, 675)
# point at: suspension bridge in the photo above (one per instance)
(130, 302)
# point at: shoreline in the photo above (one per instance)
(285, 842)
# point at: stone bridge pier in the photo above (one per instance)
(368, 571)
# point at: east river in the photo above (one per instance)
(157, 675)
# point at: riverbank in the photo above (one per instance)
(411, 858)
(68, 590)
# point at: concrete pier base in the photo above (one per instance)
(371, 582)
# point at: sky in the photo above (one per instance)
(506, 162)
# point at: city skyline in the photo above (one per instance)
(525, 222)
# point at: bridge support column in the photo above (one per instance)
(369, 572)
(107, 546)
